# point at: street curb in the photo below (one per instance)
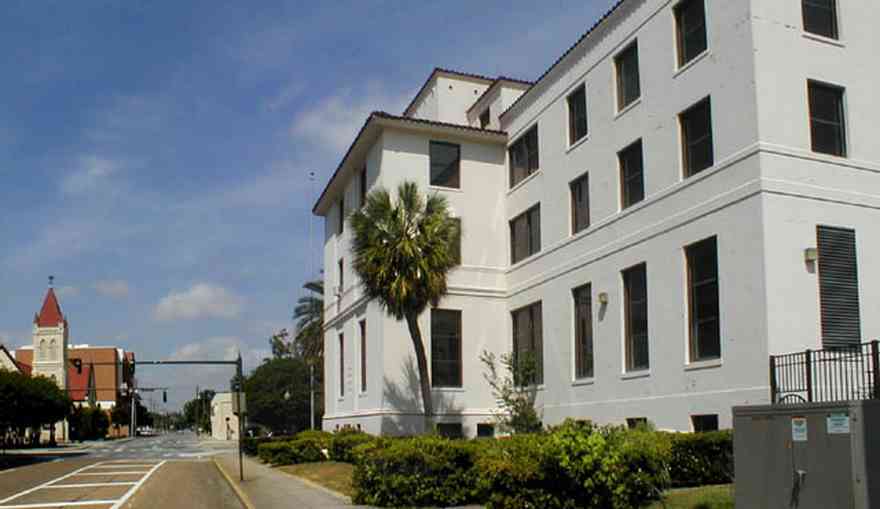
(242, 496)
(314, 485)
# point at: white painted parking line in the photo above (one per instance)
(134, 488)
(113, 473)
(91, 485)
(35, 488)
(59, 504)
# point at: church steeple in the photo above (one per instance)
(50, 314)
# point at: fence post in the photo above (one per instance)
(773, 388)
(808, 363)
(875, 369)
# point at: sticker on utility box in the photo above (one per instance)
(799, 429)
(837, 423)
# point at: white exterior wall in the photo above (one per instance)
(762, 199)
(224, 424)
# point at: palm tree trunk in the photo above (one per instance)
(424, 379)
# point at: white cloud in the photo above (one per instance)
(115, 288)
(93, 171)
(67, 291)
(285, 95)
(202, 300)
(333, 122)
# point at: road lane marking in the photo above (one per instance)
(35, 488)
(114, 473)
(134, 488)
(58, 504)
(91, 485)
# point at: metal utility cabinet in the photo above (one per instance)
(808, 455)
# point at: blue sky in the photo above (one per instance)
(154, 155)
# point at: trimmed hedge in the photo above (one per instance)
(424, 471)
(250, 444)
(304, 447)
(701, 458)
(343, 443)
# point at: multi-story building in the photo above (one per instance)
(688, 190)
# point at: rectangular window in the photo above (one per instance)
(340, 227)
(704, 423)
(580, 204)
(838, 287)
(525, 234)
(362, 184)
(528, 339)
(696, 133)
(446, 348)
(456, 245)
(342, 365)
(628, 87)
(635, 289)
(583, 332)
(635, 422)
(827, 128)
(690, 28)
(485, 430)
(577, 114)
(820, 17)
(445, 164)
(363, 324)
(523, 155)
(632, 181)
(703, 309)
(341, 269)
(450, 429)
(485, 119)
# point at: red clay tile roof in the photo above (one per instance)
(50, 315)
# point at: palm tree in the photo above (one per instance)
(402, 253)
(309, 317)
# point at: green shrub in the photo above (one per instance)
(645, 456)
(250, 444)
(322, 437)
(519, 472)
(701, 458)
(276, 453)
(342, 445)
(422, 471)
(307, 449)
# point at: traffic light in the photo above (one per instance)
(164, 396)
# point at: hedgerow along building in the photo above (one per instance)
(692, 187)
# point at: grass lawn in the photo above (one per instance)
(329, 474)
(704, 497)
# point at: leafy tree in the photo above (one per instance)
(89, 423)
(403, 250)
(197, 411)
(30, 403)
(281, 346)
(515, 389)
(309, 317)
(265, 390)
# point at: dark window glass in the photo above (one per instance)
(525, 234)
(342, 365)
(485, 119)
(341, 268)
(577, 114)
(445, 163)
(450, 429)
(826, 119)
(456, 245)
(363, 185)
(528, 339)
(363, 324)
(696, 132)
(340, 227)
(632, 182)
(635, 422)
(628, 88)
(485, 430)
(446, 348)
(635, 286)
(690, 24)
(703, 423)
(583, 330)
(524, 156)
(580, 204)
(838, 287)
(820, 17)
(705, 325)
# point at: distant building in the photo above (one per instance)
(224, 424)
(7, 361)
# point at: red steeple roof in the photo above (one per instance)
(50, 315)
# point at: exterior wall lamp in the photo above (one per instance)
(603, 298)
(811, 254)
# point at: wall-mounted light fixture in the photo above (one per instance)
(811, 254)
(603, 298)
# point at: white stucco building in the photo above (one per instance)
(693, 186)
(224, 423)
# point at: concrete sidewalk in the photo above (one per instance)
(267, 488)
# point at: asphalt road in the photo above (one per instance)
(172, 471)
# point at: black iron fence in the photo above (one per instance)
(835, 374)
